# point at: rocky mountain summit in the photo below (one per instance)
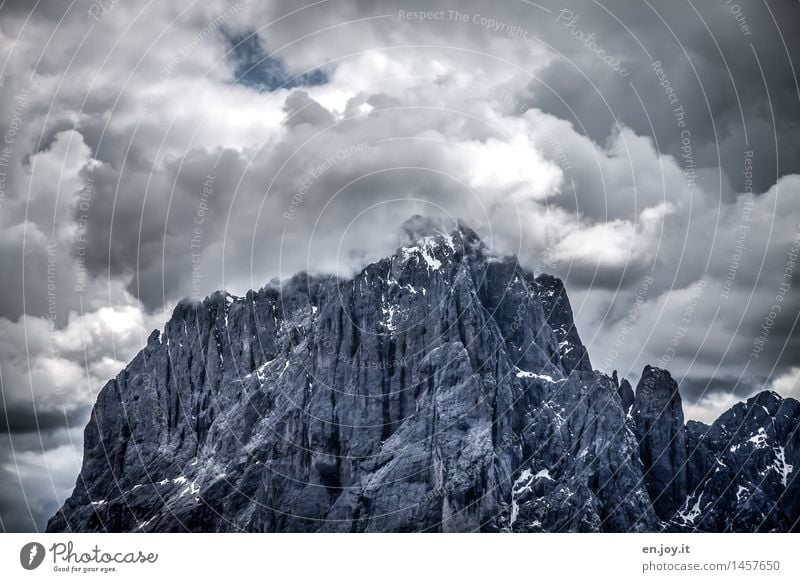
(440, 389)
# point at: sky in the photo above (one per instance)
(645, 152)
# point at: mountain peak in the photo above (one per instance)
(659, 426)
(419, 227)
(766, 398)
(437, 240)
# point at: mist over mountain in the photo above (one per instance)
(443, 388)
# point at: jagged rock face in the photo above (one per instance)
(742, 470)
(429, 393)
(657, 413)
(624, 390)
(557, 308)
(434, 391)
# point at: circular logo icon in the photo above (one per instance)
(31, 555)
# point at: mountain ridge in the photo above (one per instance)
(440, 389)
